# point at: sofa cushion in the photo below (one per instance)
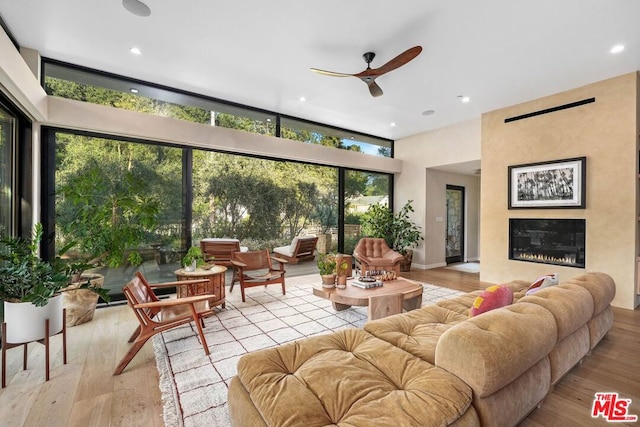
(600, 285)
(493, 297)
(490, 351)
(571, 305)
(416, 331)
(461, 303)
(283, 250)
(350, 377)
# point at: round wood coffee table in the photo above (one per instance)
(342, 299)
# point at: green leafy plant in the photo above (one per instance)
(193, 254)
(326, 213)
(398, 230)
(25, 277)
(107, 216)
(326, 264)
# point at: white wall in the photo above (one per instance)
(79, 115)
(436, 209)
(459, 143)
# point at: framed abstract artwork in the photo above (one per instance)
(548, 185)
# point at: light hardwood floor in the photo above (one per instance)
(84, 393)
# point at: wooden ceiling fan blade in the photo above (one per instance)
(374, 89)
(331, 73)
(399, 60)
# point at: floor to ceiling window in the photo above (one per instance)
(123, 195)
(362, 190)
(160, 199)
(7, 169)
(157, 199)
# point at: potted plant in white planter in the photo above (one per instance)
(398, 230)
(193, 259)
(31, 289)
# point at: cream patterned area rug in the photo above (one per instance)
(467, 267)
(194, 386)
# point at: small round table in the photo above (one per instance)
(215, 286)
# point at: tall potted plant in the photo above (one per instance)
(398, 230)
(31, 289)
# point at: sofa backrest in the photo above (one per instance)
(600, 285)
(571, 306)
(491, 350)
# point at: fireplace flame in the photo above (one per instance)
(567, 259)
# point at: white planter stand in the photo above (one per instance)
(25, 323)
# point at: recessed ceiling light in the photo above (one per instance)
(392, 124)
(133, 90)
(135, 50)
(465, 99)
(428, 112)
(136, 7)
(617, 48)
(302, 99)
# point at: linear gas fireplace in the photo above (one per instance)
(548, 241)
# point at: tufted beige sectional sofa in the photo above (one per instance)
(433, 366)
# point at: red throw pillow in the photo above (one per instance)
(493, 297)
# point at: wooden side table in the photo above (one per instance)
(215, 286)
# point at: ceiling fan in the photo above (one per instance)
(371, 74)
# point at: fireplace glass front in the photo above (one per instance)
(548, 241)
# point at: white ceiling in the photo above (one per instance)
(258, 53)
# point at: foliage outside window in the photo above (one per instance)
(89, 86)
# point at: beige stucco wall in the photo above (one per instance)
(459, 143)
(605, 132)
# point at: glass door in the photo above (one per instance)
(455, 224)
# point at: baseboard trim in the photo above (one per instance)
(430, 266)
(475, 259)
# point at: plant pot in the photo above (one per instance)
(324, 243)
(81, 303)
(190, 268)
(405, 264)
(25, 321)
(328, 280)
(341, 282)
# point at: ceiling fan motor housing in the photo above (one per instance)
(368, 57)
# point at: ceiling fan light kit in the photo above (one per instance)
(136, 7)
(369, 75)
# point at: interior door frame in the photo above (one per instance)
(456, 258)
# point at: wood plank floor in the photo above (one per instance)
(84, 393)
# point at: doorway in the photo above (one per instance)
(455, 224)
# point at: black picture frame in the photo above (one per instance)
(556, 184)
